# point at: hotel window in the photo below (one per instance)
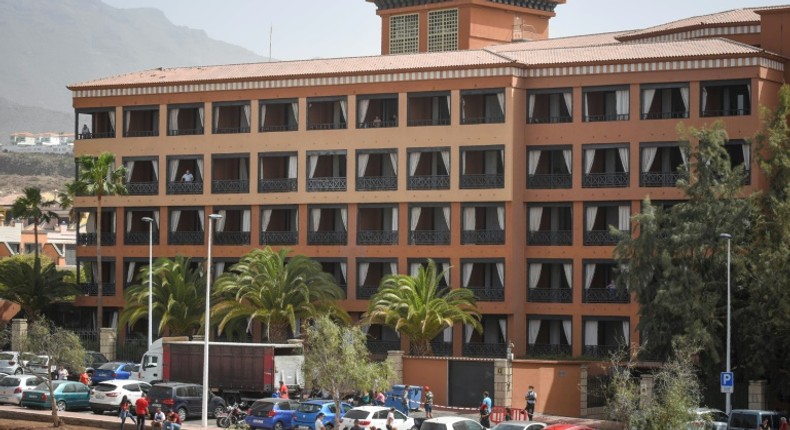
(665, 101)
(606, 103)
(404, 34)
(550, 106)
(443, 30)
(725, 98)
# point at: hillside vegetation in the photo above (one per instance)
(48, 172)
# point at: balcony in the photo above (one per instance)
(548, 350)
(138, 237)
(365, 292)
(92, 289)
(277, 172)
(326, 184)
(185, 237)
(230, 186)
(606, 104)
(483, 237)
(194, 187)
(550, 106)
(549, 295)
(429, 169)
(605, 295)
(483, 181)
(482, 106)
(377, 111)
(137, 230)
(377, 237)
(107, 239)
(326, 171)
(550, 238)
(665, 102)
(327, 113)
(380, 347)
(281, 185)
(230, 175)
(482, 168)
(725, 98)
(429, 237)
(606, 167)
(428, 109)
(231, 117)
(660, 179)
(327, 238)
(549, 181)
(377, 171)
(488, 294)
(431, 182)
(442, 349)
(601, 351)
(549, 168)
(601, 237)
(279, 225)
(379, 183)
(488, 350)
(279, 237)
(185, 120)
(141, 121)
(279, 115)
(95, 124)
(605, 180)
(550, 225)
(232, 238)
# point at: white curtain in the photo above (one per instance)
(469, 219)
(567, 268)
(219, 268)
(627, 332)
(173, 126)
(156, 219)
(201, 114)
(647, 100)
(362, 164)
(566, 155)
(173, 166)
(394, 162)
(534, 274)
(245, 220)
(414, 160)
(591, 333)
(394, 268)
(295, 111)
(112, 120)
(175, 216)
(315, 214)
(344, 110)
(447, 334)
(292, 167)
(531, 105)
(533, 158)
(263, 115)
(267, 217)
(414, 269)
(201, 214)
(704, 102)
(747, 156)
(535, 216)
(394, 214)
(586, 105)
(130, 273)
(216, 112)
(500, 98)
(500, 217)
(243, 169)
(463, 163)
(624, 158)
(446, 270)
(127, 121)
(200, 175)
(344, 218)
(468, 331)
(568, 96)
(684, 94)
(622, 102)
(500, 271)
(343, 268)
(592, 212)
(129, 216)
(466, 270)
(589, 273)
(534, 329)
(363, 273)
(446, 160)
(247, 113)
(684, 156)
(362, 110)
(624, 218)
(447, 102)
(129, 170)
(566, 327)
(446, 212)
(648, 157)
(589, 157)
(155, 167)
(503, 329)
(313, 161)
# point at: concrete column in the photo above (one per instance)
(503, 382)
(757, 390)
(395, 358)
(108, 337)
(18, 333)
(583, 412)
(646, 385)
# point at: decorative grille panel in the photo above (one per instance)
(404, 34)
(443, 30)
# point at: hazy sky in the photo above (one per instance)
(304, 29)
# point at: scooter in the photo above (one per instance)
(232, 414)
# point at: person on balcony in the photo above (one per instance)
(187, 176)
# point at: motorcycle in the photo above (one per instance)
(231, 415)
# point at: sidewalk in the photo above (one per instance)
(538, 417)
(107, 421)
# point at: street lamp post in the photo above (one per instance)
(211, 219)
(150, 222)
(728, 394)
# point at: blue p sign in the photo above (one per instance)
(727, 382)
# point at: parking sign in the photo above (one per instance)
(727, 382)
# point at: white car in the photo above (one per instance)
(519, 425)
(107, 395)
(375, 416)
(11, 363)
(708, 419)
(12, 387)
(40, 365)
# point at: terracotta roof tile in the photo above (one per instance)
(560, 42)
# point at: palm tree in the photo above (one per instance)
(34, 288)
(179, 297)
(97, 176)
(419, 308)
(33, 205)
(264, 287)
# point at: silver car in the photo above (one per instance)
(12, 387)
(11, 362)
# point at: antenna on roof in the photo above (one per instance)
(270, 42)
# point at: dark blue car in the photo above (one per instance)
(112, 370)
(272, 413)
(305, 415)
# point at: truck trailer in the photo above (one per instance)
(237, 371)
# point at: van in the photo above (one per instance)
(186, 399)
(750, 419)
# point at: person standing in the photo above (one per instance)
(141, 410)
(380, 398)
(765, 425)
(63, 374)
(428, 402)
(485, 410)
(390, 419)
(283, 390)
(356, 426)
(319, 422)
(531, 397)
(405, 400)
(187, 177)
(123, 411)
(85, 378)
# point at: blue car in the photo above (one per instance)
(305, 415)
(112, 370)
(69, 395)
(272, 413)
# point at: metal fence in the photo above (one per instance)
(130, 350)
(89, 339)
(596, 391)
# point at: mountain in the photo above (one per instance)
(48, 44)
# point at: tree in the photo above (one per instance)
(179, 297)
(98, 177)
(34, 287)
(420, 308)
(33, 205)
(337, 360)
(61, 346)
(264, 286)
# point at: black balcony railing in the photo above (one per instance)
(185, 188)
(231, 130)
(232, 237)
(550, 237)
(600, 350)
(429, 237)
(488, 294)
(428, 182)
(550, 119)
(428, 121)
(141, 133)
(107, 238)
(282, 127)
(483, 181)
(365, 292)
(665, 115)
(279, 237)
(230, 186)
(326, 184)
(99, 135)
(605, 180)
(140, 237)
(380, 347)
(442, 349)
(326, 126)
(185, 237)
(612, 117)
(725, 112)
(279, 185)
(660, 179)
(484, 119)
(483, 237)
(185, 131)
(327, 237)
(377, 124)
(377, 183)
(548, 350)
(479, 349)
(142, 188)
(550, 181)
(549, 295)
(377, 237)
(600, 237)
(605, 295)
(92, 289)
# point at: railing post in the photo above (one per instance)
(108, 337)
(757, 390)
(395, 358)
(503, 382)
(18, 333)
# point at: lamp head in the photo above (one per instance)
(148, 219)
(726, 236)
(215, 216)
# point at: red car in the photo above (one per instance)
(568, 427)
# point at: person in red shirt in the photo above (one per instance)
(283, 390)
(141, 409)
(84, 378)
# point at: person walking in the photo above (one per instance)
(123, 411)
(531, 397)
(390, 419)
(428, 402)
(85, 378)
(141, 410)
(405, 400)
(485, 410)
(283, 390)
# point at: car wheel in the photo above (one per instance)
(329, 426)
(18, 371)
(97, 411)
(182, 414)
(278, 426)
(218, 411)
(61, 405)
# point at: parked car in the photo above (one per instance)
(743, 419)
(567, 427)
(41, 365)
(107, 395)
(517, 425)
(69, 395)
(112, 370)
(272, 413)
(12, 387)
(306, 413)
(455, 423)
(375, 416)
(185, 398)
(93, 360)
(708, 419)
(11, 362)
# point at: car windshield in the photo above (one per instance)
(504, 426)
(104, 387)
(160, 392)
(110, 366)
(262, 406)
(432, 426)
(357, 414)
(9, 381)
(38, 360)
(6, 356)
(309, 407)
(43, 386)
